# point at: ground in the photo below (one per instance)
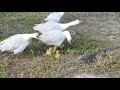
(98, 30)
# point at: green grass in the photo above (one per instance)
(3, 15)
(81, 45)
(32, 63)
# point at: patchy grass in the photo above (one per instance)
(81, 45)
(31, 63)
(107, 65)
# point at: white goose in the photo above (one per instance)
(55, 37)
(55, 16)
(51, 25)
(17, 43)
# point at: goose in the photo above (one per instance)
(55, 38)
(55, 16)
(51, 25)
(17, 43)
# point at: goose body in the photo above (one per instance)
(51, 25)
(55, 37)
(55, 16)
(17, 43)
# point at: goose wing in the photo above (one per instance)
(55, 16)
(54, 37)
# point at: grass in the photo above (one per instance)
(3, 15)
(81, 45)
(31, 63)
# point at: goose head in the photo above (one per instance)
(68, 36)
(76, 22)
(35, 35)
